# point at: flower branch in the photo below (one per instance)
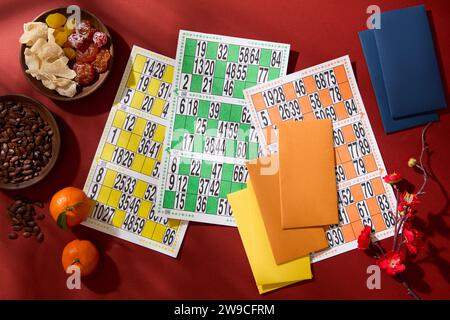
(407, 240)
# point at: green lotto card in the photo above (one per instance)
(210, 134)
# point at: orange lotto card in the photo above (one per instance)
(286, 244)
(307, 175)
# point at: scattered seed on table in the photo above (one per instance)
(22, 215)
(13, 235)
(40, 237)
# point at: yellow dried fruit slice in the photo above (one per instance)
(70, 53)
(70, 25)
(61, 37)
(55, 20)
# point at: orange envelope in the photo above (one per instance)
(307, 174)
(286, 244)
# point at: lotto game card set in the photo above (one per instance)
(179, 134)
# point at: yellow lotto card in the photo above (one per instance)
(125, 173)
(268, 275)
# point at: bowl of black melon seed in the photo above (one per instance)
(29, 141)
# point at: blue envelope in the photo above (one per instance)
(408, 60)
(390, 124)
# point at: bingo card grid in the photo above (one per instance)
(217, 66)
(212, 135)
(124, 176)
(329, 90)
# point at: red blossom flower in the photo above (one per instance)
(404, 210)
(364, 238)
(406, 202)
(392, 263)
(413, 238)
(408, 213)
(392, 178)
(409, 199)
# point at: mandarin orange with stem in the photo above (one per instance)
(80, 253)
(69, 207)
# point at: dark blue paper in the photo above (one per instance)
(408, 61)
(369, 46)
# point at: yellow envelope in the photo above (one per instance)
(270, 287)
(286, 244)
(268, 275)
(308, 188)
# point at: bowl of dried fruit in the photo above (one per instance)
(29, 141)
(63, 58)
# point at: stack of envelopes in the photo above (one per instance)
(404, 69)
(290, 198)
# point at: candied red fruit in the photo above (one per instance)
(85, 29)
(100, 39)
(85, 73)
(76, 40)
(87, 55)
(102, 61)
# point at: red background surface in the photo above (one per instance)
(212, 263)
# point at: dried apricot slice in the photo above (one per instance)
(70, 53)
(70, 25)
(61, 36)
(55, 20)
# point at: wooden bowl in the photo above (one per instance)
(56, 140)
(81, 91)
